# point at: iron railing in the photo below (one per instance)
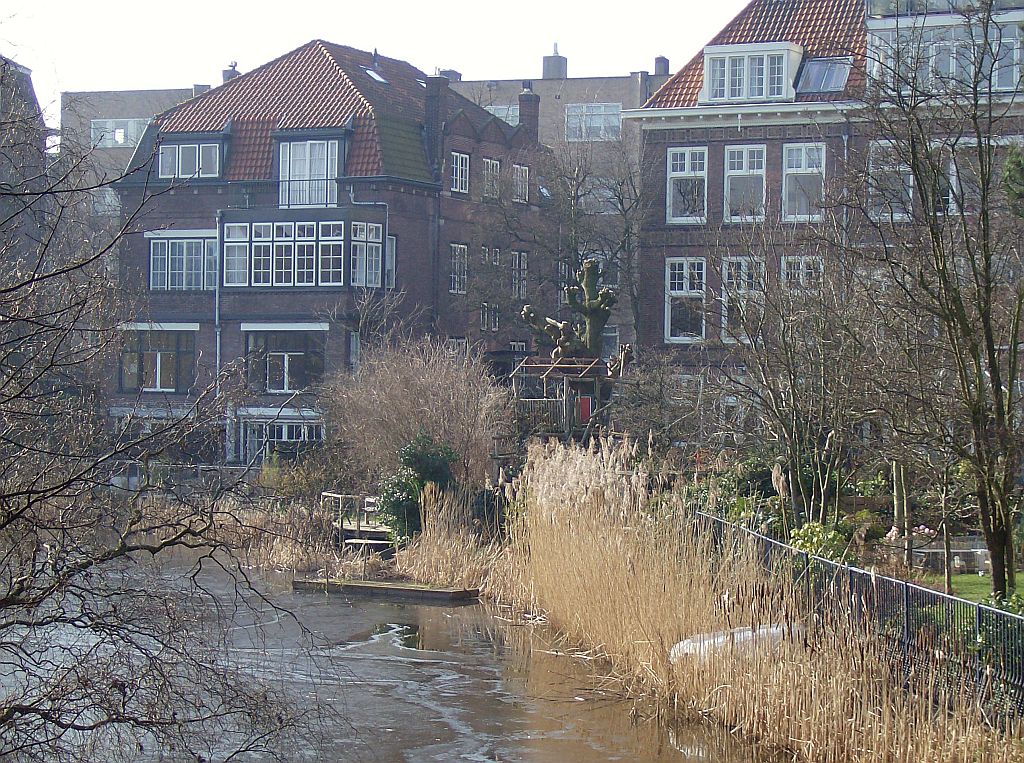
(933, 640)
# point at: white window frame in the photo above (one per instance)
(170, 155)
(492, 178)
(296, 181)
(460, 172)
(754, 72)
(197, 260)
(331, 244)
(898, 167)
(793, 270)
(521, 183)
(680, 162)
(748, 288)
(366, 265)
(687, 292)
(746, 171)
(520, 274)
(390, 262)
(488, 317)
(459, 266)
(803, 170)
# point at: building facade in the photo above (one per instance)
(287, 212)
(580, 119)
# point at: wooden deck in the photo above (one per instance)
(407, 592)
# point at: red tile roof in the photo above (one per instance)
(319, 85)
(824, 28)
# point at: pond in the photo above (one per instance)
(424, 683)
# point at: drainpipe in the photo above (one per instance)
(228, 417)
(846, 165)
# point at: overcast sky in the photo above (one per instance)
(81, 45)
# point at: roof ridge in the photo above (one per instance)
(322, 44)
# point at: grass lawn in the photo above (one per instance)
(973, 587)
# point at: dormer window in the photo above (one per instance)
(749, 72)
(189, 160)
(308, 172)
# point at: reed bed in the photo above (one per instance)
(620, 570)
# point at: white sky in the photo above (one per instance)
(82, 45)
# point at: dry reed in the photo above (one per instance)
(619, 570)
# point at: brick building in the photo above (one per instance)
(580, 118)
(751, 133)
(281, 208)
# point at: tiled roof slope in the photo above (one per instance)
(822, 27)
(320, 85)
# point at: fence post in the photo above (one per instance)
(906, 629)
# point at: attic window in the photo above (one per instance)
(421, 83)
(375, 75)
(824, 75)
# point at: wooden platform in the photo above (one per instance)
(408, 592)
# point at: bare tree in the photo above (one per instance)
(935, 219)
(102, 648)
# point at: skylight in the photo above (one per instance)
(375, 75)
(824, 75)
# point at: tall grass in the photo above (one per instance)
(619, 569)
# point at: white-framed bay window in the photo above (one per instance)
(308, 171)
(744, 183)
(687, 185)
(236, 254)
(749, 72)
(803, 181)
(685, 281)
(332, 253)
(189, 160)
(178, 264)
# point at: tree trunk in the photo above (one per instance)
(947, 567)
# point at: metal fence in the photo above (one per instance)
(933, 641)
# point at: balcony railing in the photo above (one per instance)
(308, 193)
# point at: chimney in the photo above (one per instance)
(529, 112)
(556, 66)
(199, 89)
(660, 66)
(231, 72)
(436, 109)
(450, 74)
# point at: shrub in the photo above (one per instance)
(816, 539)
(423, 462)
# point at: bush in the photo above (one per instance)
(816, 539)
(423, 461)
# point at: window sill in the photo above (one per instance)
(684, 339)
(686, 221)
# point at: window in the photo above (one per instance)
(684, 299)
(592, 121)
(158, 361)
(366, 261)
(332, 254)
(687, 185)
(460, 172)
(284, 361)
(890, 185)
(390, 265)
(492, 178)
(308, 171)
(824, 75)
(263, 438)
(565, 279)
(801, 271)
(520, 183)
(519, 275)
(609, 341)
(189, 160)
(117, 133)
(508, 113)
(744, 183)
(803, 178)
(179, 264)
(742, 278)
(488, 317)
(459, 254)
(236, 254)
(745, 76)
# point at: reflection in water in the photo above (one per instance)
(418, 683)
